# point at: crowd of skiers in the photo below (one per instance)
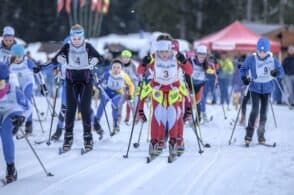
(175, 83)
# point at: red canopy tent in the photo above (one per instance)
(235, 37)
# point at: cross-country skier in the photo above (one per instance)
(22, 67)
(12, 105)
(6, 43)
(79, 58)
(130, 68)
(167, 95)
(264, 68)
(112, 87)
(198, 79)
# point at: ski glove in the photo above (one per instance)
(245, 80)
(274, 72)
(61, 59)
(181, 58)
(142, 116)
(93, 61)
(44, 90)
(17, 120)
(37, 69)
(146, 60)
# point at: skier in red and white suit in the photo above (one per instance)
(167, 94)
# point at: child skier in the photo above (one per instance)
(12, 104)
(263, 68)
(167, 96)
(22, 68)
(111, 88)
(79, 58)
(6, 44)
(198, 79)
(130, 68)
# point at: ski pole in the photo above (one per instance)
(35, 153)
(196, 133)
(54, 105)
(38, 114)
(106, 116)
(237, 117)
(282, 91)
(206, 145)
(274, 116)
(137, 144)
(134, 119)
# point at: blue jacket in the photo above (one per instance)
(259, 71)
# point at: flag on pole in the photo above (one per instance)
(82, 3)
(68, 6)
(60, 5)
(105, 6)
(94, 5)
(99, 6)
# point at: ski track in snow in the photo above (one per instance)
(221, 169)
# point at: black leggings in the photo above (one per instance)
(255, 98)
(78, 93)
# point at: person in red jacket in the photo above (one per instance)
(167, 95)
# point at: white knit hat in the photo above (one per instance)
(8, 31)
(201, 49)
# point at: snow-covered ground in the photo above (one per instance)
(221, 169)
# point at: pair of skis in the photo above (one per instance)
(82, 151)
(273, 145)
(170, 159)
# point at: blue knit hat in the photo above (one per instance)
(4, 72)
(17, 50)
(263, 44)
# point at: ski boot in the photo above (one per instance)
(68, 139)
(28, 128)
(98, 128)
(260, 134)
(57, 134)
(115, 128)
(248, 136)
(172, 150)
(88, 141)
(11, 173)
(180, 147)
(154, 149)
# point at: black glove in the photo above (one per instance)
(142, 115)
(17, 121)
(36, 69)
(245, 80)
(43, 90)
(146, 60)
(274, 72)
(181, 58)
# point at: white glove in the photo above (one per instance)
(61, 59)
(93, 61)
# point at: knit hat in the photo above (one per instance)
(8, 31)
(201, 49)
(77, 31)
(263, 44)
(126, 53)
(17, 50)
